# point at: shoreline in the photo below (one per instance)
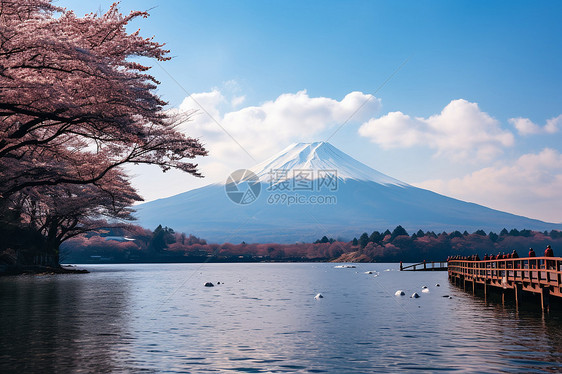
(15, 270)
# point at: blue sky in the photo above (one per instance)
(473, 113)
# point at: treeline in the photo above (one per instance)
(136, 244)
(398, 245)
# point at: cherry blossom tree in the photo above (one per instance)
(73, 87)
(64, 211)
(76, 104)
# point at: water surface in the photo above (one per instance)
(264, 318)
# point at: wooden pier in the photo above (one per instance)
(425, 266)
(536, 275)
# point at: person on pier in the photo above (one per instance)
(549, 253)
(532, 263)
(514, 254)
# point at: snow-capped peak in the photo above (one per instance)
(320, 157)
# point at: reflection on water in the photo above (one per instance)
(264, 318)
(52, 322)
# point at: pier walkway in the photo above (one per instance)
(537, 275)
(425, 266)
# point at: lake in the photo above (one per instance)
(263, 318)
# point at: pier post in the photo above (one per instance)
(485, 290)
(473, 286)
(545, 298)
(518, 288)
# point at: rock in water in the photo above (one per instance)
(319, 296)
(209, 284)
(437, 285)
(415, 295)
(399, 293)
(425, 290)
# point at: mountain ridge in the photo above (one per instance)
(321, 156)
(360, 199)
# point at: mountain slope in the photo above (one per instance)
(322, 156)
(359, 199)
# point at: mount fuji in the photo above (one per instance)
(309, 190)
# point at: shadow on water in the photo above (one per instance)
(53, 322)
(522, 337)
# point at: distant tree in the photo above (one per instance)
(431, 234)
(493, 236)
(504, 232)
(398, 231)
(480, 232)
(161, 238)
(455, 234)
(525, 233)
(355, 242)
(387, 232)
(555, 234)
(324, 239)
(375, 237)
(465, 233)
(514, 232)
(363, 240)
(420, 233)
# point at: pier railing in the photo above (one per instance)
(425, 266)
(532, 274)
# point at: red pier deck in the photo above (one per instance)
(539, 275)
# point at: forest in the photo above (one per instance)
(136, 244)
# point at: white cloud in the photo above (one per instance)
(461, 131)
(206, 104)
(264, 129)
(526, 127)
(237, 101)
(529, 185)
